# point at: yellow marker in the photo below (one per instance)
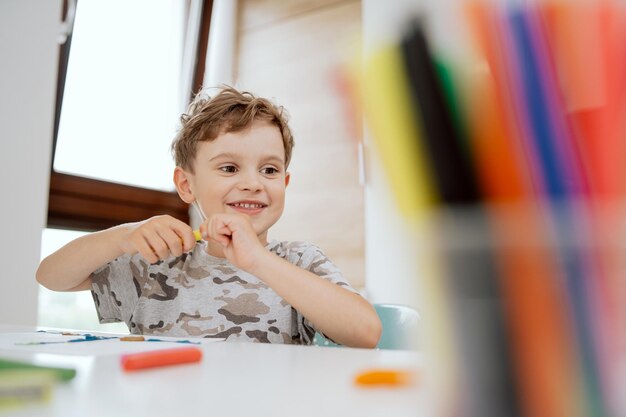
(196, 235)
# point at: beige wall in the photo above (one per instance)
(289, 51)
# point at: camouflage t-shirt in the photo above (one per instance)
(200, 295)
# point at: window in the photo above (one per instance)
(68, 310)
(126, 72)
(122, 94)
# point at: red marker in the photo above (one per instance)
(136, 361)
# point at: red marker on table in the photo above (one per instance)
(155, 358)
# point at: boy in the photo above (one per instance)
(231, 153)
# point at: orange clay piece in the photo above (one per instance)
(156, 358)
(132, 339)
(388, 377)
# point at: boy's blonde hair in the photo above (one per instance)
(228, 111)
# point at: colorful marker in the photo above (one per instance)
(143, 360)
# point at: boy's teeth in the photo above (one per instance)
(247, 205)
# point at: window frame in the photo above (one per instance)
(81, 203)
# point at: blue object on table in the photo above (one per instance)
(400, 328)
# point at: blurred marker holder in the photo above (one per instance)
(530, 305)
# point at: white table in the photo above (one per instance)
(233, 379)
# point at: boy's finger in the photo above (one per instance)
(161, 249)
(172, 240)
(189, 239)
(158, 245)
(208, 230)
(146, 251)
(185, 235)
(221, 238)
(204, 230)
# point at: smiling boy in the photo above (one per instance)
(232, 154)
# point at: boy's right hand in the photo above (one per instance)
(157, 238)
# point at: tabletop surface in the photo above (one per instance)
(233, 379)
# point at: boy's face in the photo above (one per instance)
(243, 172)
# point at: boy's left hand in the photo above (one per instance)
(237, 238)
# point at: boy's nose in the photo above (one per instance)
(250, 182)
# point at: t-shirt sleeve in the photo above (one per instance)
(314, 260)
(115, 288)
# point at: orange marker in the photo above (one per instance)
(387, 377)
(143, 360)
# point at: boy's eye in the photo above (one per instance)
(269, 171)
(228, 168)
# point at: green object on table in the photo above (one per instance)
(60, 374)
(22, 386)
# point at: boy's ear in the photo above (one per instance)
(287, 178)
(183, 185)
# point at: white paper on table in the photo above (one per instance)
(18, 342)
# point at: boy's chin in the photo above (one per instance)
(261, 232)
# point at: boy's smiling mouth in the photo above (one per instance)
(247, 206)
